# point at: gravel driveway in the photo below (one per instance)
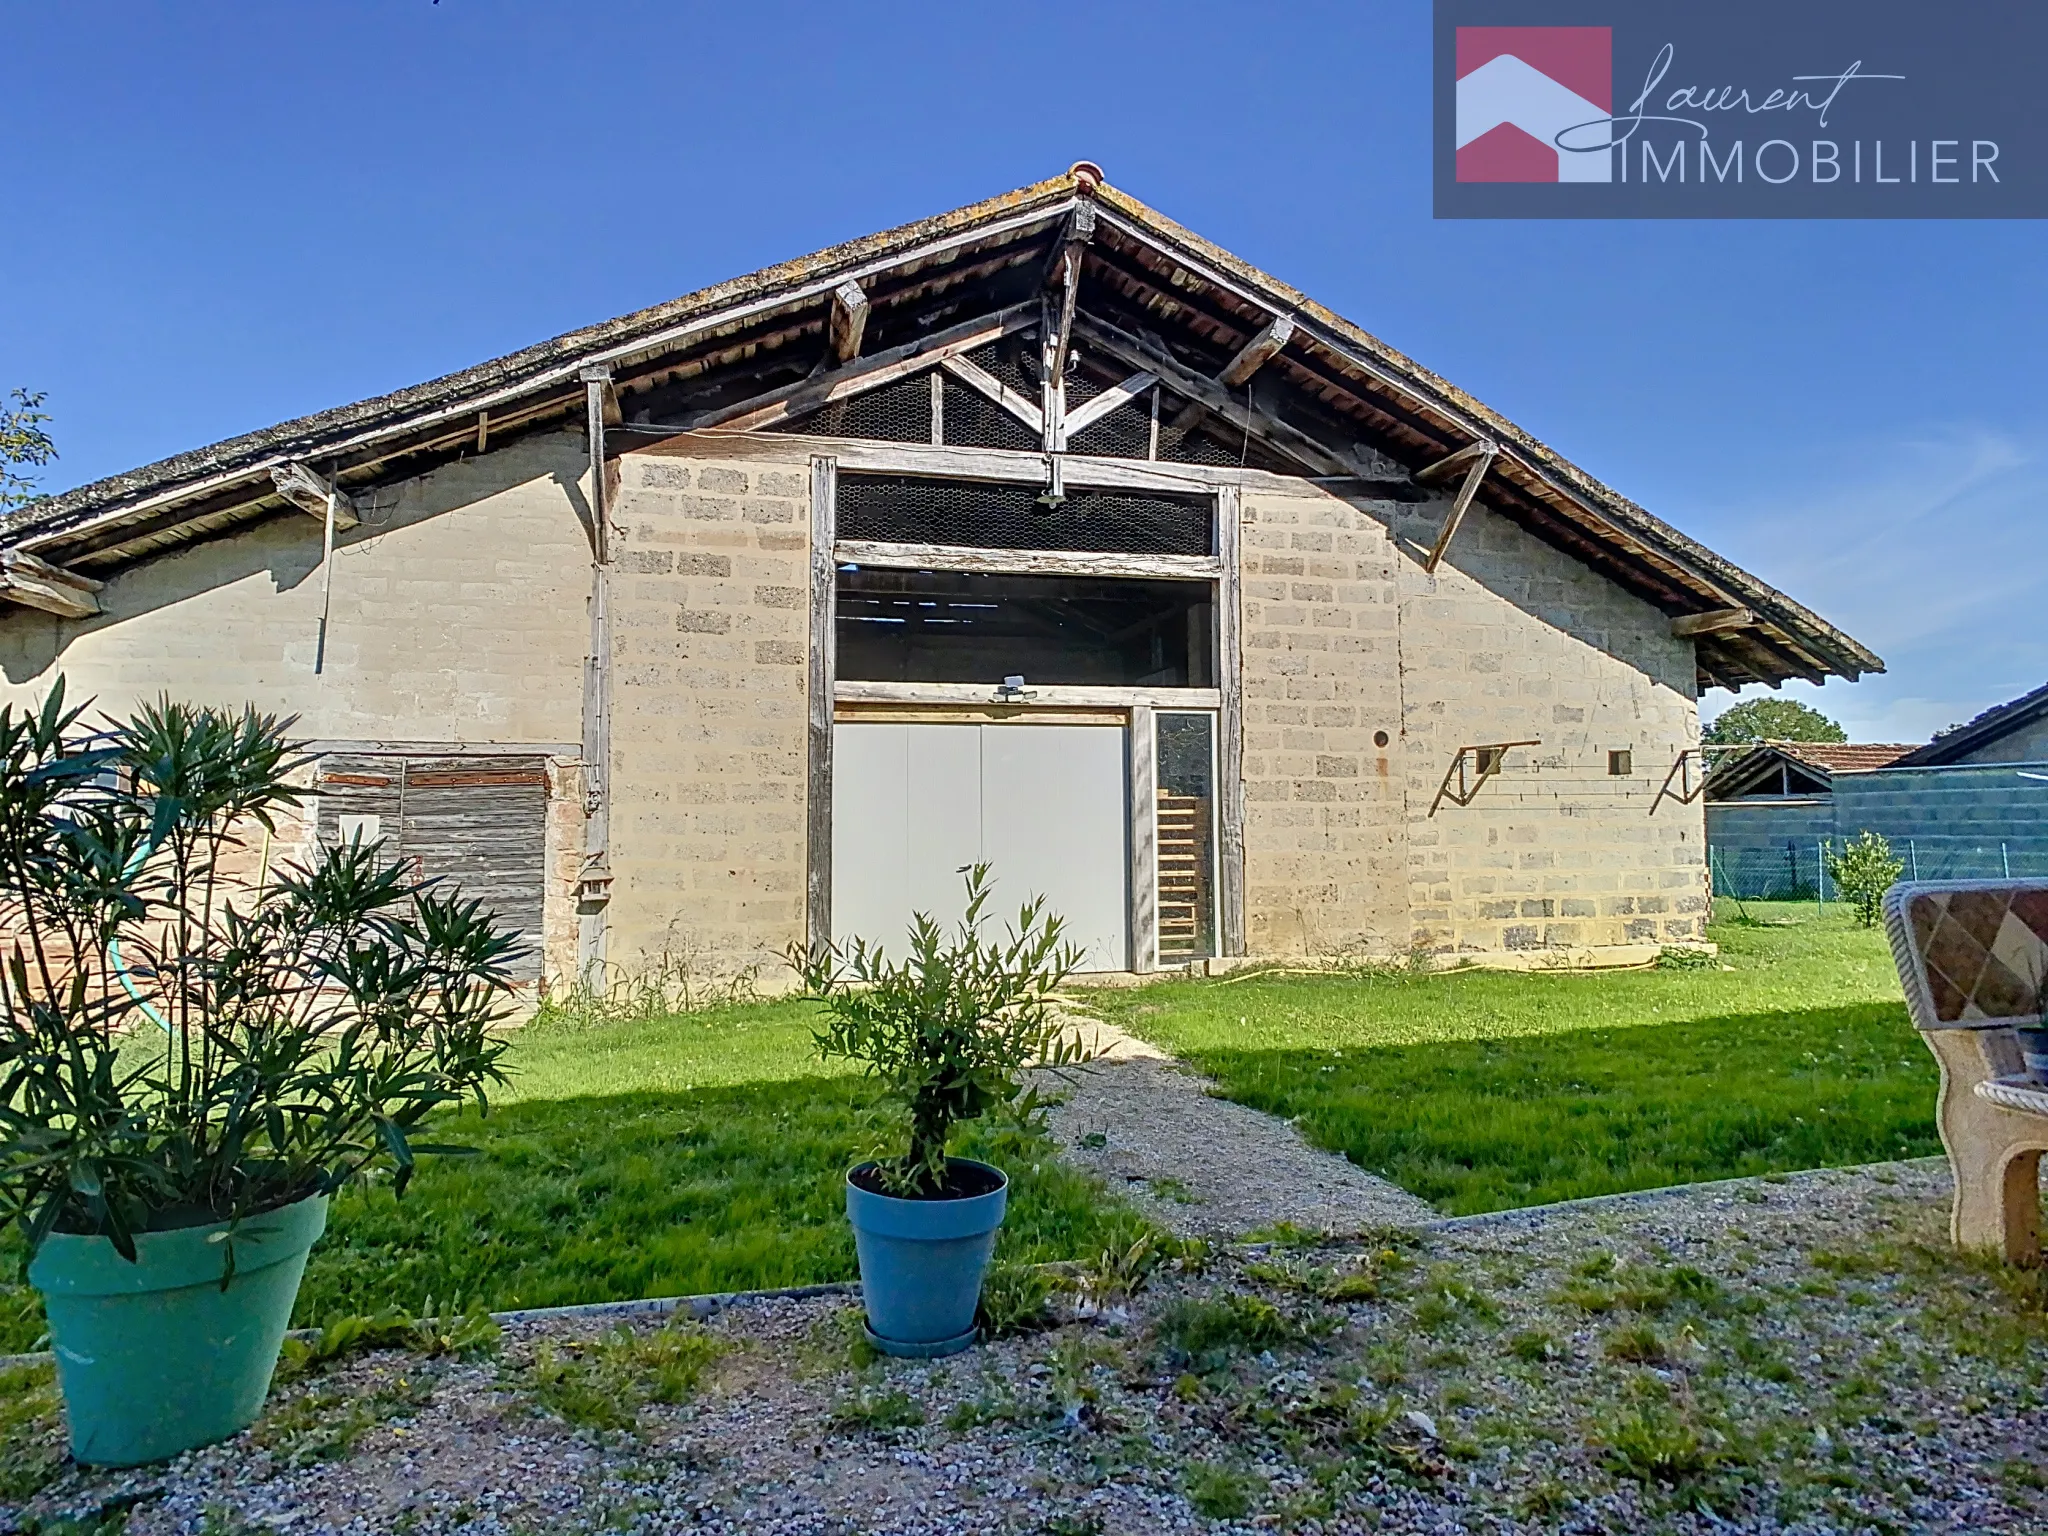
(1763, 1356)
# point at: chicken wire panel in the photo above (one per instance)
(978, 516)
(975, 421)
(896, 413)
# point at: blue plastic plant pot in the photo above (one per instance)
(922, 1262)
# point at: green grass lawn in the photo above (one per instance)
(1483, 1090)
(704, 1152)
(664, 1157)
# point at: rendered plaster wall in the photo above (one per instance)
(459, 615)
(1512, 640)
(710, 616)
(1325, 822)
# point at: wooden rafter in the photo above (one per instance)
(849, 320)
(1450, 464)
(972, 374)
(777, 405)
(1475, 472)
(35, 583)
(1714, 622)
(1257, 352)
(1113, 398)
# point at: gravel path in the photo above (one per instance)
(1793, 1356)
(1201, 1165)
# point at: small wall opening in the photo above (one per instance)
(964, 627)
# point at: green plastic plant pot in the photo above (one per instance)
(154, 1357)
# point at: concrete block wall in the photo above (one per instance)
(1963, 821)
(2028, 744)
(1325, 821)
(1513, 640)
(710, 615)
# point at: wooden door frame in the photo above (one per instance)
(1226, 699)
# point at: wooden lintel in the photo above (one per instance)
(1257, 352)
(976, 377)
(35, 583)
(778, 405)
(1459, 507)
(1713, 622)
(1451, 463)
(849, 320)
(884, 555)
(1113, 398)
(308, 492)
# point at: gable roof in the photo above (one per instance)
(1738, 773)
(1996, 723)
(1147, 286)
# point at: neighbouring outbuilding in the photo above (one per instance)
(1043, 532)
(1972, 804)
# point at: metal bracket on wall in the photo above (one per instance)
(1688, 789)
(1486, 759)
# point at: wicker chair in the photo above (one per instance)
(1972, 957)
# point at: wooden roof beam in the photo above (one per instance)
(1450, 464)
(309, 493)
(1479, 463)
(1257, 352)
(1217, 400)
(1059, 340)
(35, 583)
(849, 322)
(1713, 622)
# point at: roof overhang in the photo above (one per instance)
(1146, 283)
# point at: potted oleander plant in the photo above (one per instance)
(949, 1031)
(197, 1052)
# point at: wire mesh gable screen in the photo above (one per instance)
(975, 421)
(976, 516)
(896, 413)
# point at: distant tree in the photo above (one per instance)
(1771, 720)
(22, 441)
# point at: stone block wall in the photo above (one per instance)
(1513, 640)
(1325, 824)
(710, 616)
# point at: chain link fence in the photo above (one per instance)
(1798, 871)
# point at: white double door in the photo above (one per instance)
(1043, 805)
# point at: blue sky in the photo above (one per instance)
(220, 216)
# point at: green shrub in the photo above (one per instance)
(292, 1037)
(1863, 871)
(949, 1031)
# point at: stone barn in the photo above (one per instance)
(1044, 533)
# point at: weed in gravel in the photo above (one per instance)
(1221, 1492)
(1535, 1346)
(876, 1405)
(837, 1342)
(1368, 1277)
(468, 1335)
(1645, 1288)
(1210, 1330)
(1545, 1500)
(605, 1383)
(1449, 1300)
(1015, 1298)
(996, 1404)
(1638, 1344)
(1120, 1271)
(324, 1423)
(1655, 1444)
(1087, 1523)
(31, 1430)
(1386, 1365)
